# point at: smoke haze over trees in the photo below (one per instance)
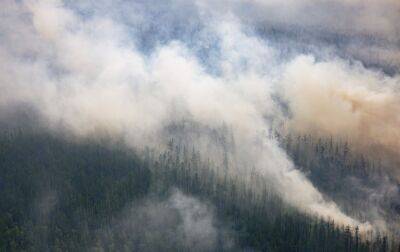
(118, 117)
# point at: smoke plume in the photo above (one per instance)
(89, 68)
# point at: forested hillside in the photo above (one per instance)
(359, 183)
(200, 125)
(59, 195)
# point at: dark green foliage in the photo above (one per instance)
(56, 195)
(52, 190)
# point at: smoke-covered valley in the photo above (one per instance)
(298, 99)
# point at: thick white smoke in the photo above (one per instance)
(85, 74)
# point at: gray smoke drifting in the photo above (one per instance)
(178, 223)
(131, 71)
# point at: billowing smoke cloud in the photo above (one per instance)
(345, 102)
(88, 73)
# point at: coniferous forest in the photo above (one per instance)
(59, 195)
(200, 125)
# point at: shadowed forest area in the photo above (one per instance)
(59, 195)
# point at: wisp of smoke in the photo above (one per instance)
(179, 222)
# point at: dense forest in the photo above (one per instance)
(59, 195)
